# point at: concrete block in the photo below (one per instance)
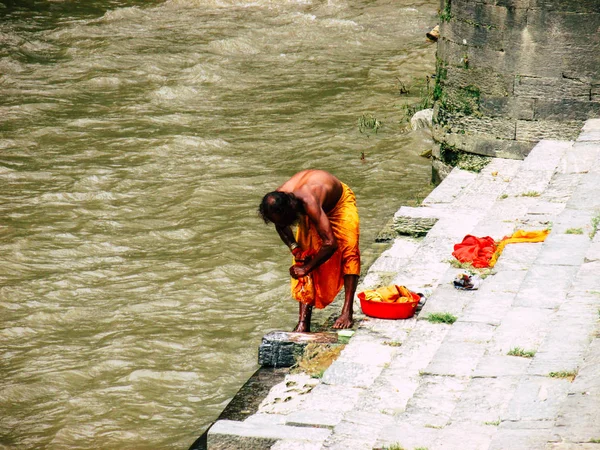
(545, 286)
(588, 136)
(489, 82)
(566, 109)
(515, 258)
(446, 299)
(358, 430)
(564, 249)
(492, 127)
(504, 282)
(561, 187)
(461, 350)
(502, 167)
(511, 107)
(537, 399)
(521, 327)
(461, 436)
(417, 352)
(545, 87)
(546, 155)
(314, 418)
(368, 350)
(296, 445)
(390, 393)
(529, 181)
(535, 130)
(281, 348)
(227, 434)
(451, 187)
(520, 439)
(485, 400)
(409, 435)
(580, 158)
(352, 374)
(587, 194)
(592, 125)
(502, 366)
(489, 308)
(435, 400)
(332, 398)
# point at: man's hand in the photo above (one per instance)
(298, 271)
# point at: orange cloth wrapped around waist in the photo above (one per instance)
(328, 278)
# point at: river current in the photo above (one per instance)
(136, 141)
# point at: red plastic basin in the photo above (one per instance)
(382, 310)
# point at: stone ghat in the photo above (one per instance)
(519, 369)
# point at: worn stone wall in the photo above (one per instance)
(511, 72)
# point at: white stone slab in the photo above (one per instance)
(580, 158)
(564, 249)
(537, 399)
(521, 327)
(352, 374)
(434, 400)
(546, 155)
(485, 400)
(545, 286)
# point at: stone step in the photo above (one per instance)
(478, 371)
(228, 434)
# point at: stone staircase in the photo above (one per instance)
(415, 384)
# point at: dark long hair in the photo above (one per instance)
(282, 204)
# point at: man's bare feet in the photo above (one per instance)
(304, 316)
(302, 327)
(344, 321)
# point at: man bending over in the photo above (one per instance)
(325, 246)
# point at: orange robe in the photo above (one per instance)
(328, 278)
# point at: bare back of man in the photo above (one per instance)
(315, 187)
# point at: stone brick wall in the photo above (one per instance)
(511, 72)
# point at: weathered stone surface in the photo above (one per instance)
(580, 158)
(537, 399)
(460, 436)
(566, 109)
(520, 439)
(295, 445)
(561, 187)
(564, 249)
(462, 349)
(453, 183)
(434, 400)
(545, 286)
(485, 399)
(351, 374)
(413, 226)
(358, 430)
(281, 348)
(396, 257)
(315, 418)
(546, 155)
(408, 434)
(227, 434)
(521, 327)
(535, 130)
(548, 88)
(587, 194)
(390, 393)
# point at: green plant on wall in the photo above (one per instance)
(445, 14)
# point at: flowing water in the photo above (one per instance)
(136, 141)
